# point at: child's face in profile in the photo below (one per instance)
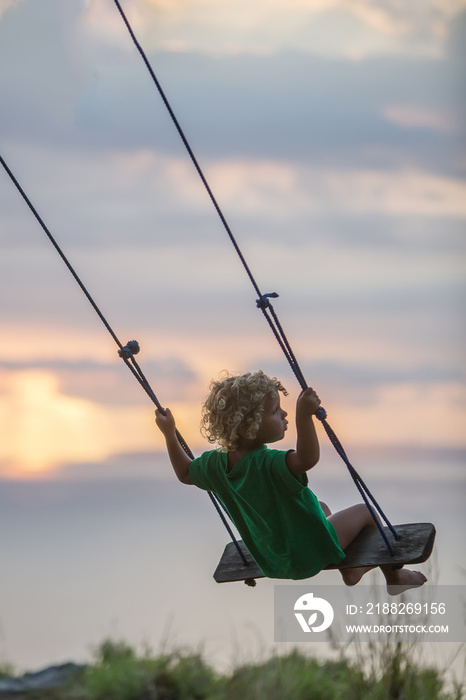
(273, 424)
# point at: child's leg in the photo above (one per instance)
(348, 524)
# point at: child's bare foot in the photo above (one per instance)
(352, 576)
(400, 580)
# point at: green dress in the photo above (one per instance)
(278, 517)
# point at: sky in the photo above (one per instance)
(333, 137)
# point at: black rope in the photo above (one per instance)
(263, 301)
(126, 352)
(218, 507)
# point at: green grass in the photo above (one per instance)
(6, 669)
(388, 671)
(391, 674)
(119, 674)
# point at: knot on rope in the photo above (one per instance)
(131, 348)
(321, 413)
(263, 302)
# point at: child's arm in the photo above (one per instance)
(178, 457)
(307, 451)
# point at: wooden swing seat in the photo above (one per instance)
(368, 549)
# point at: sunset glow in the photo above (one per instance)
(335, 204)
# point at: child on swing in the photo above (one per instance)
(287, 530)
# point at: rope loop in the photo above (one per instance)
(131, 348)
(263, 302)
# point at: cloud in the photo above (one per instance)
(455, 43)
(380, 373)
(334, 244)
(351, 27)
(275, 187)
(413, 116)
(143, 198)
(110, 383)
(7, 5)
(290, 105)
(30, 79)
(426, 415)
(42, 427)
(126, 465)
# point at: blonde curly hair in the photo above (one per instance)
(236, 402)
